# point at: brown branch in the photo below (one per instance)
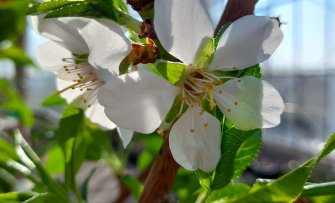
(161, 176)
(234, 10)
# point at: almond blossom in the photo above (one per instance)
(140, 100)
(84, 54)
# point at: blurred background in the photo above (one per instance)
(302, 69)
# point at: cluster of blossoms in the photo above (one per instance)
(86, 55)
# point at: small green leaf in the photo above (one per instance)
(144, 160)
(75, 9)
(232, 140)
(133, 184)
(53, 99)
(16, 54)
(47, 6)
(54, 158)
(70, 136)
(7, 151)
(252, 71)
(10, 100)
(288, 187)
(323, 199)
(228, 192)
(173, 72)
(247, 153)
(219, 34)
(205, 179)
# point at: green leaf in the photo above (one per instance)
(206, 55)
(288, 187)
(15, 196)
(50, 183)
(98, 142)
(75, 9)
(133, 184)
(53, 99)
(42, 198)
(186, 186)
(173, 72)
(232, 140)
(228, 192)
(16, 54)
(205, 179)
(152, 144)
(12, 19)
(319, 189)
(70, 136)
(47, 6)
(54, 158)
(121, 5)
(7, 151)
(219, 34)
(62, 8)
(144, 160)
(323, 199)
(252, 71)
(247, 153)
(10, 100)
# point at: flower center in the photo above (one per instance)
(198, 87)
(79, 71)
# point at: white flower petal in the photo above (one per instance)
(96, 115)
(214, 7)
(125, 135)
(61, 32)
(182, 27)
(69, 95)
(193, 145)
(249, 103)
(246, 42)
(77, 22)
(137, 101)
(50, 56)
(108, 47)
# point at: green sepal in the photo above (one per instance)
(172, 72)
(205, 56)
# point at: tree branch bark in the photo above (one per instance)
(161, 176)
